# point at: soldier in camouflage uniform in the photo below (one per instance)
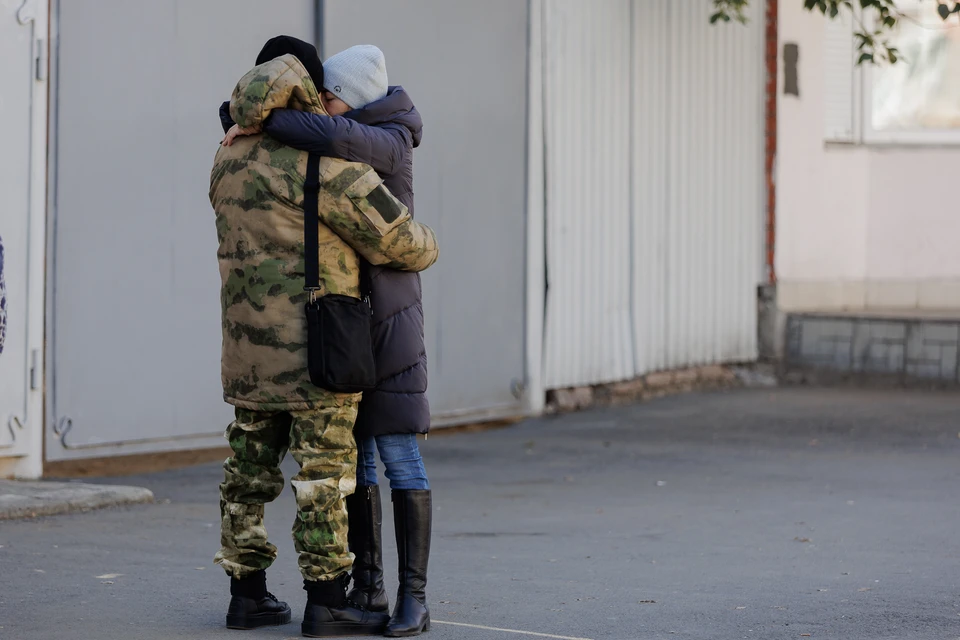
(257, 193)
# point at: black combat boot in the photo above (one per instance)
(412, 512)
(365, 514)
(329, 613)
(253, 606)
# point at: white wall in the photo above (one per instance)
(858, 227)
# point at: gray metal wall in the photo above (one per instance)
(465, 65)
(654, 172)
(135, 332)
(16, 107)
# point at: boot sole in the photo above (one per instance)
(246, 623)
(408, 634)
(338, 629)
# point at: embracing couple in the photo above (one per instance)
(313, 193)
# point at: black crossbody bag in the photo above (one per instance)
(339, 345)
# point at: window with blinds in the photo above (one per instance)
(839, 79)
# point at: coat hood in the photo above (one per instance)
(281, 83)
(397, 107)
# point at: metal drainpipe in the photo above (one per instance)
(318, 11)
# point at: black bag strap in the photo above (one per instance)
(366, 284)
(311, 234)
(311, 225)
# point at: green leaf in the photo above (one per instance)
(943, 10)
(866, 57)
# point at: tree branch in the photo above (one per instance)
(875, 20)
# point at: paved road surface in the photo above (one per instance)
(749, 514)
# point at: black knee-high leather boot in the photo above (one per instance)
(412, 518)
(365, 517)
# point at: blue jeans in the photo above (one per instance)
(399, 454)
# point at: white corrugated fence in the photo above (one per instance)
(654, 181)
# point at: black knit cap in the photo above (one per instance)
(305, 52)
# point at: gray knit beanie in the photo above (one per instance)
(357, 75)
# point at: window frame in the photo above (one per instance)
(869, 135)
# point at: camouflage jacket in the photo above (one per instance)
(256, 189)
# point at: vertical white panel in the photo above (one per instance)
(16, 74)
(650, 215)
(716, 187)
(534, 390)
(588, 334)
(839, 99)
(23, 111)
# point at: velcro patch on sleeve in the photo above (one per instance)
(386, 205)
(381, 210)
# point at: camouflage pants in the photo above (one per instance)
(321, 441)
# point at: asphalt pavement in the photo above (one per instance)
(766, 514)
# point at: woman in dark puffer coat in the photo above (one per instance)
(379, 126)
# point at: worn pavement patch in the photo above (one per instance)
(29, 499)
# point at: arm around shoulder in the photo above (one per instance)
(383, 148)
(225, 120)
